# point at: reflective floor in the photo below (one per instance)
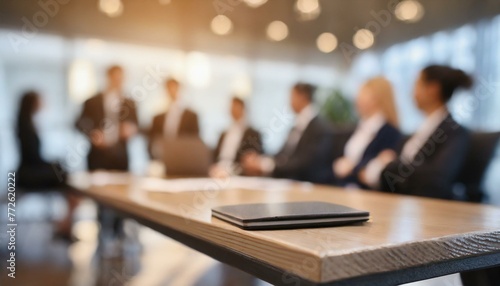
(143, 258)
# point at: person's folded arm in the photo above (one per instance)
(429, 174)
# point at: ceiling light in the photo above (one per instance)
(165, 2)
(410, 11)
(327, 42)
(363, 39)
(277, 31)
(255, 3)
(308, 9)
(112, 8)
(221, 25)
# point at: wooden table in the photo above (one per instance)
(407, 238)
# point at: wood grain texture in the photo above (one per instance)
(403, 232)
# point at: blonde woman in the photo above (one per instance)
(376, 131)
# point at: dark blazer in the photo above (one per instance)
(251, 141)
(312, 158)
(387, 137)
(436, 165)
(188, 126)
(34, 172)
(92, 118)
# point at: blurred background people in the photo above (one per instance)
(109, 120)
(306, 154)
(239, 139)
(34, 174)
(376, 131)
(429, 161)
(178, 121)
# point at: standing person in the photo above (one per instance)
(240, 138)
(376, 131)
(35, 174)
(429, 162)
(307, 152)
(109, 120)
(178, 121)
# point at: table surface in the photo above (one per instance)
(406, 239)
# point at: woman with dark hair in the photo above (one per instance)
(429, 161)
(34, 174)
(33, 171)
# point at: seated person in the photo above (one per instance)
(307, 153)
(34, 174)
(237, 140)
(429, 162)
(376, 131)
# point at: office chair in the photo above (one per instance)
(481, 151)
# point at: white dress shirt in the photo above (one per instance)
(411, 148)
(301, 122)
(305, 116)
(362, 137)
(173, 119)
(232, 142)
(417, 141)
(112, 105)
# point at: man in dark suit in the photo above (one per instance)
(239, 139)
(109, 120)
(307, 153)
(178, 121)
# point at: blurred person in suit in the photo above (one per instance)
(307, 153)
(240, 138)
(376, 131)
(34, 174)
(429, 162)
(178, 121)
(109, 120)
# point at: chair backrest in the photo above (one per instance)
(481, 150)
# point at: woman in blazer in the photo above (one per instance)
(376, 131)
(428, 163)
(34, 174)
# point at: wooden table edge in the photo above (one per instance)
(278, 276)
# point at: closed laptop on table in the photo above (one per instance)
(289, 215)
